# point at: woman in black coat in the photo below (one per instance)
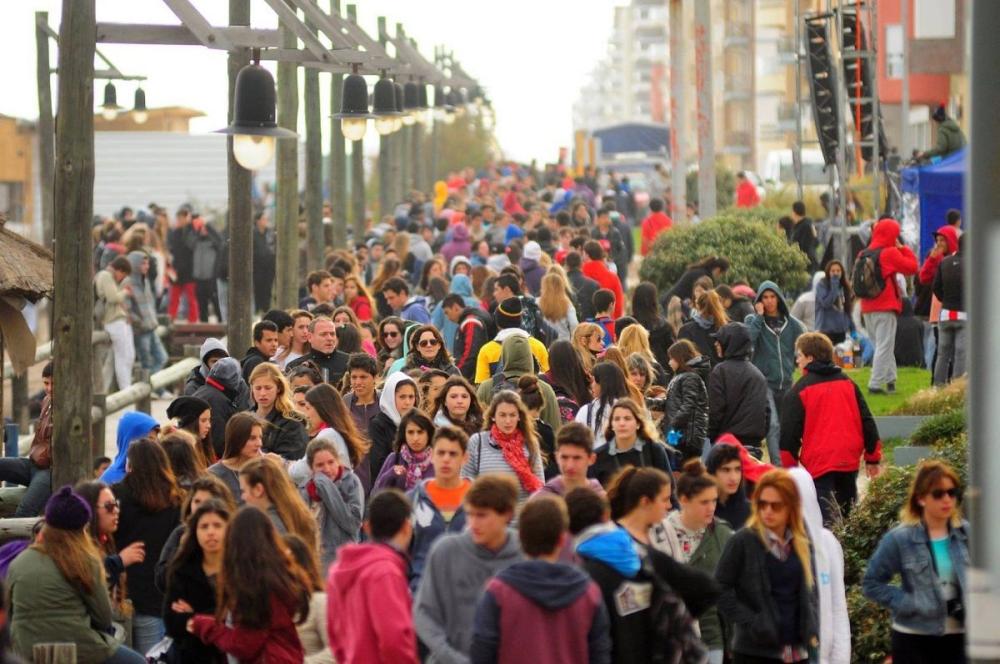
(191, 582)
(646, 311)
(687, 400)
(286, 433)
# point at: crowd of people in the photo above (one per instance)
(473, 440)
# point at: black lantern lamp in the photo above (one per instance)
(384, 106)
(399, 105)
(254, 128)
(139, 112)
(110, 107)
(411, 99)
(354, 113)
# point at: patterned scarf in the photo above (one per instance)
(417, 464)
(512, 446)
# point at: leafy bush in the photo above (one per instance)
(936, 400)
(752, 245)
(725, 186)
(939, 428)
(859, 534)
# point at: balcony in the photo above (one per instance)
(736, 35)
(788, 112)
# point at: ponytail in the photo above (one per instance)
(710, 303)
(631, 485)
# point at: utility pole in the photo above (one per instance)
(435, 126)
(338, 158)
(405, 146)
(982, 275)
(357, 167)
(905, 146)
(315, 242)
(46, 130)
(287, 207)
(73, 207)
(241, 228)
(706, 114)
(678, 139)
(417, 153)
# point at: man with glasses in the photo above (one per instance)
(826, 426)
(332, 363)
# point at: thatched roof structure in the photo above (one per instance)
(25, 267)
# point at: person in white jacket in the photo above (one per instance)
(834, 625)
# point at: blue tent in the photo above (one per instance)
(939, 187)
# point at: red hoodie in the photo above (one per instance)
(746, 195)
(369, 610)
(278, 643)
(652, 226)
(605, 278)
(931, 263)
(893, 260)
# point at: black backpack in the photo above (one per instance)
(534, 323)
(866, 275)
(502, 381)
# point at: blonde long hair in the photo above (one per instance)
(781, 481)
(582, 333)
(635, 339)
(75, 556)
(283, 402)
(553, 302)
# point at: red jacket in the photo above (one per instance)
(600, 273)
(746, 195)
(369, 610)
(826, 424)
(931, 263)
(362, 308)
(652, 226)
(893, 260)
(278, 643)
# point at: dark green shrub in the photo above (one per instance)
(871, 628)
(940, 427)
(749, 239)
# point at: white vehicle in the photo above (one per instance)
(779, 169)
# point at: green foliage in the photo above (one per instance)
(940, 427)
(749, 240)
(859, 534)
(780, 198)
(936, 400)
(725, 186)
(467, 141)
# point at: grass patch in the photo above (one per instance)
(909, 381)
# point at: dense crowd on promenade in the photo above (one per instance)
(477, 439)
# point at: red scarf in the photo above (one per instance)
(512, 446)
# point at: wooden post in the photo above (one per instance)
(145, 404)
(97, 431)
(357, 167)
(73, 207)
(287, 208)
(46, 131)
(19, 400)
(417, 154)
(315, 244)
(387, 180)
(338, 158)
(678, 90)
(405, 164)
(240, 210)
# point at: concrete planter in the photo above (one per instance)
(910, 455)
(898, 426)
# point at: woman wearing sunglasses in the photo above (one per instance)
(390, 340)
(929, 551)
(768, 579)
(428, 352)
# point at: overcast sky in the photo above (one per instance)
(532, 56)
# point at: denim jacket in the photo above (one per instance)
(916, 604)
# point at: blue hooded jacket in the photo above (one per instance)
(611, 545)
(460, 285)
(132, 426)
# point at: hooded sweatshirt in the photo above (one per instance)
(737, 390)
(143, 305)
(460, 285)
(340, 504)
(931, 263)
(455, 576)
(773, 340)
(368, 607)
(132, 426)
(516, 360)
(198, 375)
(489, 354)
(542, 612)
(834, 626)
(226, 394)
(804, 308)
(893, 260)
(459, 245)
(382, 428)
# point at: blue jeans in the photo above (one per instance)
(149, 348)
(774, 398)
(125, 655)
(23, 471)
(147, 631)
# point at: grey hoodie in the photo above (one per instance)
(142, 302)
(454, 578)
(341, 507)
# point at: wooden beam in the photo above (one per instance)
(345, 34)
(74, 202)
(240, 183)
(198, 24)
(289, 19)
(181, 35)
(287, 204)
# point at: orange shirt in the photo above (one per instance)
(447, 500)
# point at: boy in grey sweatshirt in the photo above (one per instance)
(460, 565)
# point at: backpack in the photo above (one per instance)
(534, 323)
(502, 381)
(866, 275)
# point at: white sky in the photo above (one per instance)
(532, 56)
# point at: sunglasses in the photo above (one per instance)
(953, 492)
(390, 335)
(111, 506)
(428, 343)
(773, 505)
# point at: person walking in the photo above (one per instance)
(834, 303)
(264, 253)
(949, 289)
(335, 497)
(272, 397)
(687, 400)
(929, 552)
(180, 241)
(737, 391)
(142, 313)
(111, 306)
(888, 261)
(657, 222)
(227, 394)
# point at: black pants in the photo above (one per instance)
(207, 293)
(752, 659)
(836, 337)
(927, 649)
(837, 491)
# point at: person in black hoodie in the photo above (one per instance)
(211, 351)
(948, 287)
(226, 394)
(583, 286)
(687, 399)
(737, 391)
(725, 465)
(804, 234)
(265, 346)
(191, 580)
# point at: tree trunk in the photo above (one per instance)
(287, 208)
(315, 244)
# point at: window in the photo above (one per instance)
(894, 51)
(11, 198)
(934, 19)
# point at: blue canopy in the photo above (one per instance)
(648, 137)
(940, 187)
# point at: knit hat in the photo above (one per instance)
(508, 313)
(940, 114)
(186, 410)
(532, 251)
(67, 510)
